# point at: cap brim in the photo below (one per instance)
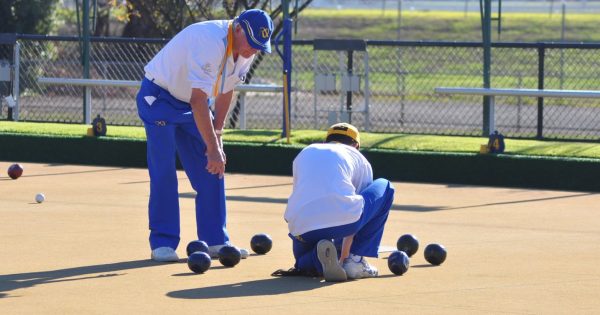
(252, 42)
(266, 48)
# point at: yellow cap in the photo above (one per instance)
(344, 129)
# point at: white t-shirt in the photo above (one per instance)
(328, 178)
(192, 59)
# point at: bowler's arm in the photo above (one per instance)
(222, 104)
(204, 123)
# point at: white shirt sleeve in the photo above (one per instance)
(204, 61)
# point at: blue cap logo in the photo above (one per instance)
(258, 27)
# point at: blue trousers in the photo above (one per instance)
(367, 231)
(170, 130)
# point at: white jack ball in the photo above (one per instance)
(40, 198)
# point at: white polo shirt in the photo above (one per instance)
(328, 178)
(192, 59)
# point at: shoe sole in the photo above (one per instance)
(365, 275)
(327, 254)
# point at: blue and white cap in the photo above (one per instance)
(258, 26)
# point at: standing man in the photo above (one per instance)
(334, 197)
(203, 62)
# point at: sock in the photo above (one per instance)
(355, 258)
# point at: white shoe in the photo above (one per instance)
(358, 270)
(332, 271)
(164, 254)
(213, 251)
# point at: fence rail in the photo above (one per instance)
(90, 83)
(402, 76)
(492, 93)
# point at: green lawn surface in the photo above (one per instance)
(387, 141)
(444, 25)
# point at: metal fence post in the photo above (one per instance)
(486, 28)
(16, 92)
(242, 117)
(87, 103)
(87, 110)
(367, 92)
(491, 109)
(540, 114)
(519, 101)
(315, 72)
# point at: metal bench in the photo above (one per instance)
(87, 83)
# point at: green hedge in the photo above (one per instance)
(488, 170)
(447, 168)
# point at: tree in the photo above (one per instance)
(102, 27)
(26, 16)
(164, 18)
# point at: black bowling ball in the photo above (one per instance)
(261, 243)
(398, 262)
(199, 262)
(229, 256)
(435, 254)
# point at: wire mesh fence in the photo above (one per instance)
(6, 76)
(387, 88)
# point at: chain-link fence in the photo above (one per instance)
(402, 77)
(389, 87)
(110, 59)
(7, 66)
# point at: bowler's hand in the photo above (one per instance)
(216, 162)
(220, 142)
